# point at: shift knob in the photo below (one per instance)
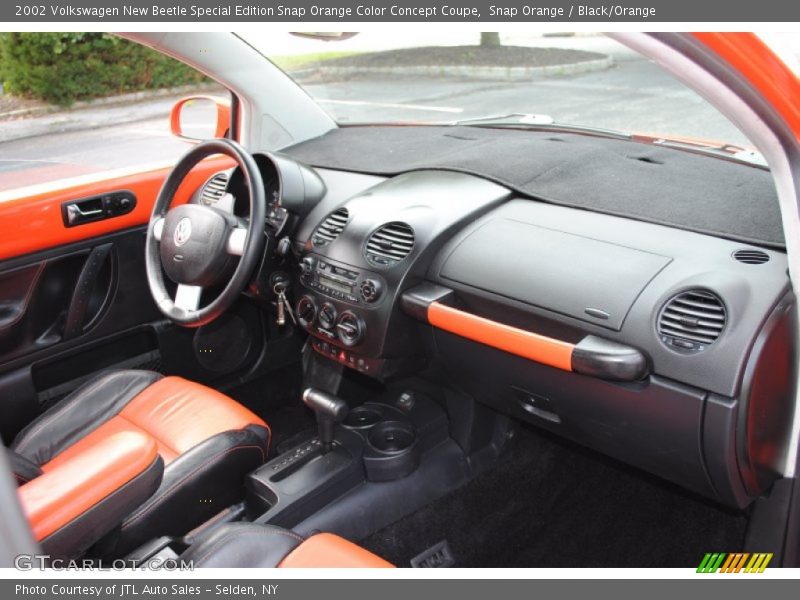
(329, 410)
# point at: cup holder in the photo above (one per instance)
(392, 437)
(392, 451)
(363, 417)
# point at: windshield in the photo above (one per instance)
(586, 80)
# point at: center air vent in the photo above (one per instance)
(751, 256)
(692, 321)
(331, 227)
(215, 188)
(390, 244)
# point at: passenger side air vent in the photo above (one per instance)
(331, 227)
(214, 189)
(390, 244)
(692, 321)
(750, 256)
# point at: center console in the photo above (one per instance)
(358, 256)
(374, 442)
(340, 306)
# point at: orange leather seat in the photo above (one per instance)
(72, 504)
(328, 551)
(235, 545)
(205, 442)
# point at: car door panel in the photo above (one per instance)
(31, 218)
(74, 300)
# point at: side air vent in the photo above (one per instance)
(214, 189)
(331, 227)
(692, 321)
(751, 257)
(390, 244)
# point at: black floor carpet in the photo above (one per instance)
(549, 503)
(276, 399)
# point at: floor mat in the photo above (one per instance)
(276, 399)
(549, 503)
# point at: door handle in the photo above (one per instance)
(76, 211)
(95, 208)
(78, 317)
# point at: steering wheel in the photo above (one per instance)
(198, 246)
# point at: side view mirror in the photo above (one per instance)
(325, 36)
(199, 118)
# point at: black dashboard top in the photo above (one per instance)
(625, 178)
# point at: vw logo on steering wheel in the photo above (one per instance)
(183, 231)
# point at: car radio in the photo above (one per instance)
(340, 282)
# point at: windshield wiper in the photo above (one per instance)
(538, 122)
(726, 151)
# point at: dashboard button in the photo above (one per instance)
(371, 290)
(683, 344)
(307, 265)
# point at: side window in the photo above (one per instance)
(74, 104)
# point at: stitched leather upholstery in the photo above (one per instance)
(80, 413)
(242, 545)
(256, 545)
(72, 505)
(206, 441)
(24, 470)
(328, 551)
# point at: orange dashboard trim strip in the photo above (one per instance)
(535, 347)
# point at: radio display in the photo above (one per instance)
(335, 285)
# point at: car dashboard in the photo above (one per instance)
(669, 349)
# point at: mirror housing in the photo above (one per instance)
(199, 118)
(325, 36)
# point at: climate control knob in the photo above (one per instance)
(350, 329)
(327, 315)
(371, 290)
(306, 310)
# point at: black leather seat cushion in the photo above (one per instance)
(208, 443)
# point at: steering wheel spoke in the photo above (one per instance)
(158, 228)
(236, 241)
(188, 297)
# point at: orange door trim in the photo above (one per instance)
(31, 221)
(535, 347)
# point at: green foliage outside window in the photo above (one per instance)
(62, 68)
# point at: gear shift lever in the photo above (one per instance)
(329, 410)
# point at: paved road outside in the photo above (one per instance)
(634, 95)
